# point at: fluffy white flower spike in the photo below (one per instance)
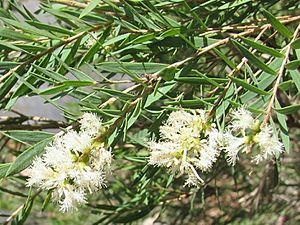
(72, 165)
(188, 142)
(246, 135)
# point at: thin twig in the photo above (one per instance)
(279, 76)
(47, 51)
(233, 73)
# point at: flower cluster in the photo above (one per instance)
(188, 142)
(246, 135)
(73, 164)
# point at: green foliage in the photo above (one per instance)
(133, 62)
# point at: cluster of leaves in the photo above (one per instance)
(132, 62)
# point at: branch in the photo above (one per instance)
(47, 51)
(279, 76)
(233, 73)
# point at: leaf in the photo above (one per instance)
(140, 213)
(283, 128)
(277, 25)
(296, 44)
(78, 83)
(288, 109)
(116, 93)
(11, 34)
(153, 97)
(168, 73)
(29, 29)
(117, 39)
(233, 4)
(199, 80)
(247, 86)
(262, 48)
(134, 115)
(95, 48)
(48, 27)
(47, 200)
(293, 65)
(92, 4)
(3, 169)
(51, 74)
(296, 78)
(27, 137)
(26, 157)
(8, 64)
(53, 90)
(193, 103)
(7, 85)
(225, 58)
(252, 58)
(22, 216)
(11, 47)
(139, 68)
(264, 81)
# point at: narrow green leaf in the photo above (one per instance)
(296, 44)
(6, 45)
(262, 48)
(140, 213)
(11, 34)
(91, 53)
(247, 86)
(199, 80)
(253, 59)
(3, 169)
(296, 78)
(283, 128)
(8, 64)
(116, 39)
(116, 93)
(161, 91)
(26, 157)
(277, 25)
(47, 200)
(7, 85)
(53, 90)
(29, 29)
(194, 103)
(293, 65)
(78, 83)
(143, 38)
(288, 109)
(25, 136)
(48, 27)
(225, 58)
(139, 68)
(233, 4)
(135, 114)
(168, 73)
(92, 4)
(51, 74)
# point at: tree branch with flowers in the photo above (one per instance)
(168, 109)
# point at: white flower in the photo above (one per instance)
(73, 164)
(69, 198)
(77, 142)
(101, 159)
(187, 143)
(232, 146)
(91, 123)
(39, 172)
(267, 143)
(242, 119)
(244, 134)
